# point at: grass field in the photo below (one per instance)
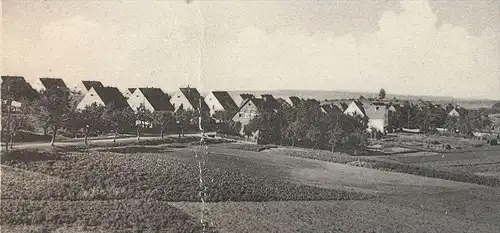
(155, 188)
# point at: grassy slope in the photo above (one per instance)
(122, 191)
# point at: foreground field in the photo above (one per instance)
(156, 189)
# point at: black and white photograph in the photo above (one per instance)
(249, 116)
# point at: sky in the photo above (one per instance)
(442, 48)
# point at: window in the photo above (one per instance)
(178, 96)
(239, 115)
(91, 94)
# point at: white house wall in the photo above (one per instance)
(89, 98)
(213, 103)
(178, 98)
(378, 124)
(353, 109)
(246, 113)
(137, 98)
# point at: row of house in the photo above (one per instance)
(241, 108)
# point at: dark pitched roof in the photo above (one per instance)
(89, 84)
(13, 79)
(157, 99)
(194, 98)
(331, 109)
(257, 102)
(112, 96)
(246, 96)
(273, 103)
(360, 106)
(296, 101)
(225, 100)
(344, 106)
(19, 87)
(282, 101)
(53, 83)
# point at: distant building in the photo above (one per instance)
(248, 110)
(355, 108)
(331, 109)
(378, 117)
(85, 86)
(239, 99)
(271, 101)
(220, 101)
(127, 92)
(292, 101)
(153, 99)
(454, 113)
(19, 89)
(189, 98)
(106, 96)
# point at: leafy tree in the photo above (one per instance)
(91, 120)
(12, 125)
(117, 120)
(162, 119)
(143, 118)
(381, 94)
(55, 109)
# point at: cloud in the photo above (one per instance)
(408, 54)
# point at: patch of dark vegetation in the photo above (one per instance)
(133, 149)
(433, 173)
(110, 216)
(249, 146)
(29, 155)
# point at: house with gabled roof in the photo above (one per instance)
(19, 88)
(355, 108)
(454, 112)
(220, 101)
(239, 99)
(331, 109)
(378, 117)
(248, 110)
(127, 92)
(292, 101)
(271, 101)
(106, 96)
(47, 83)
(153, 99)
(189, 98)
(85, 85)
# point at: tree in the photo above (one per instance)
(12, 125)
(162, 119)
(55, 109)
(381, 94)
(143, 118)
(117, 120)
(91, 120)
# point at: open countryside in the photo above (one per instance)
(280, 116)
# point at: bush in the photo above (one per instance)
(494, 142)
